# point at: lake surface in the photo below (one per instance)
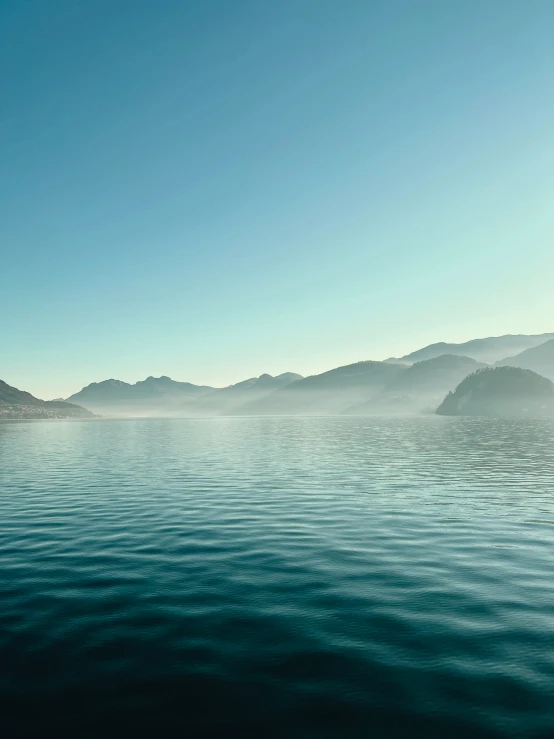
(323, 577)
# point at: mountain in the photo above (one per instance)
(16, 403)
(328, 393)
(155, 395)
(488, 350)
(501, 391)
(12, 396)
(421, 387)
(224, 400)
(539, 359)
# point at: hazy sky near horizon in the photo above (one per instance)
(211, 190)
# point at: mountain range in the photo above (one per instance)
(325, 394)
(539, 359)
(18, 404)
(420, 387)
(228, 399)
(415, 383)
(155, 395)
(488, 350)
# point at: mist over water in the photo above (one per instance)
(286, 577)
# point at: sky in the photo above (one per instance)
(211, 190)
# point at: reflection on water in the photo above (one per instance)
(325, 577)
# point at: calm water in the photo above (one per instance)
(277, 578)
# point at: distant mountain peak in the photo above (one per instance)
(146, 397)
(539, 359)
(110, 382)
(420, 387)
(489, 350)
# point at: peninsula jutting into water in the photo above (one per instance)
(480, 377)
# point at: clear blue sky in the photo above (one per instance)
(214, 189)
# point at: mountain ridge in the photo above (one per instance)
(489, 350)
(326, 393)
(421, 387)
(115, 397)
(19, 404)
(223, 400)
(539, 359)
(410, 384)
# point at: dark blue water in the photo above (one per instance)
(277, 578)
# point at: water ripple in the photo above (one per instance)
(325, 577)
